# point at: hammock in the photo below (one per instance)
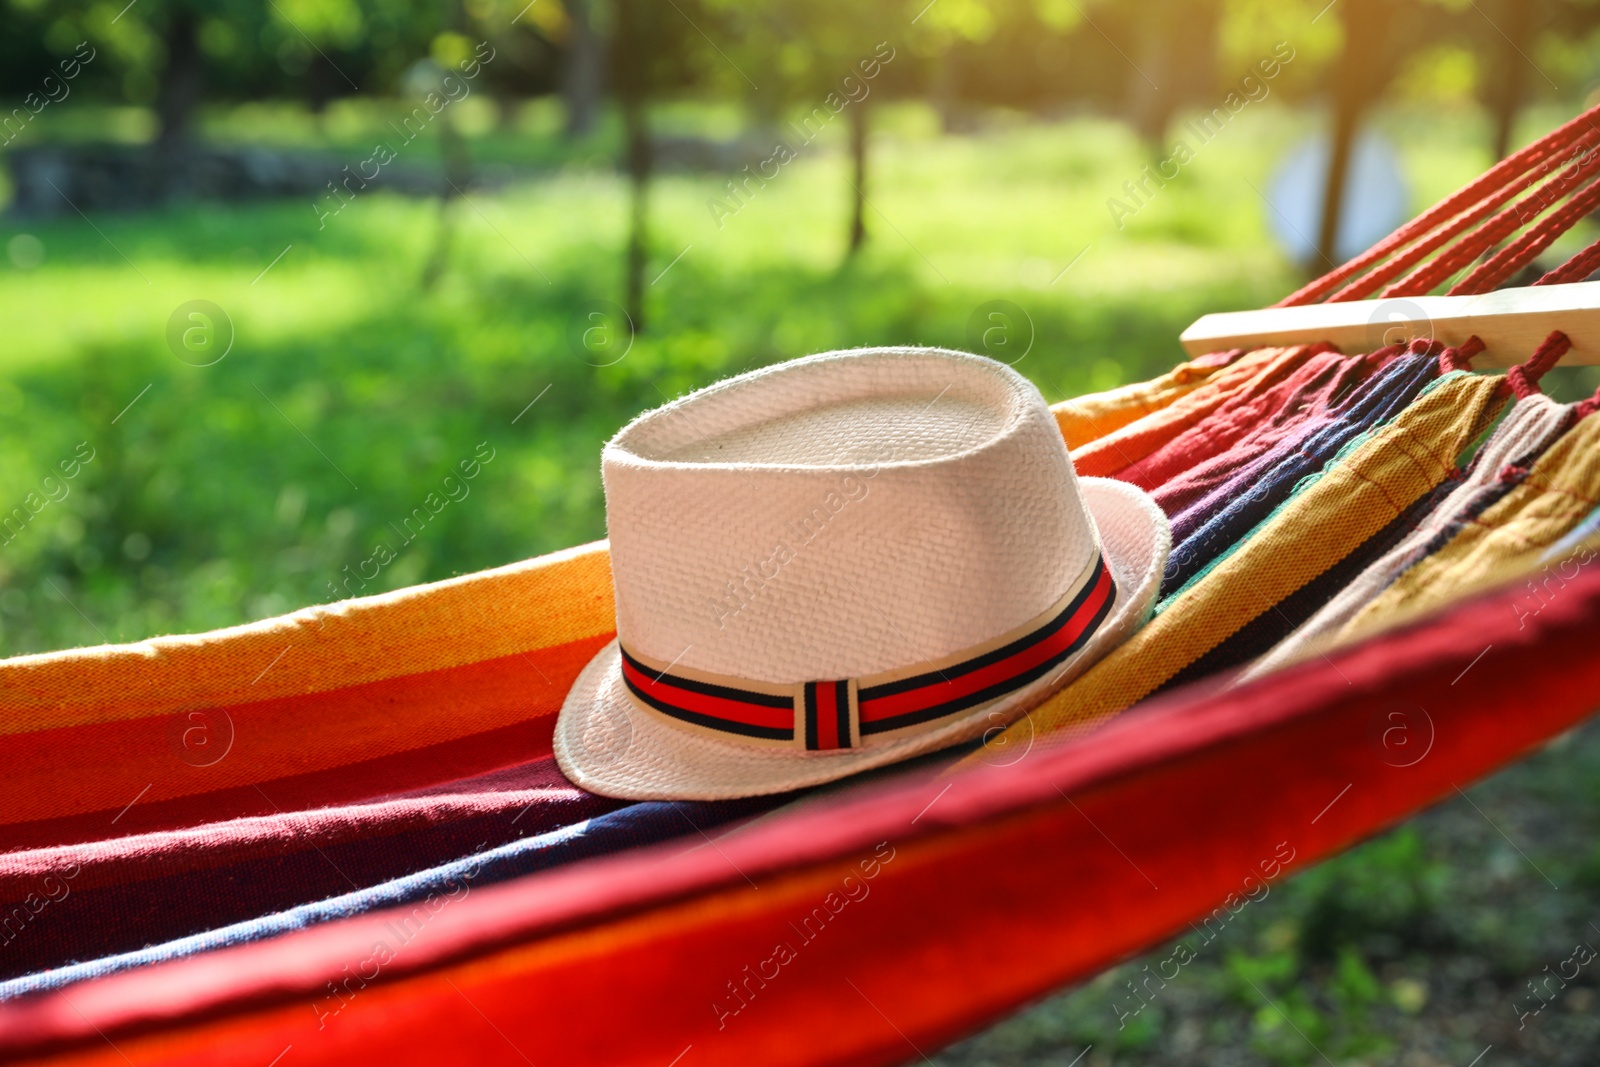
(863, 924)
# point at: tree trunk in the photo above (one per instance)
(1179, 52)
(858, 162)
(583, 76)
(1149, 105)
(637, 130)
(945, 90)
(322, 82)
(507, 112)
(458, 175)
(1509, 76)
(1346, 120)
(1358, 77)
(635, 48)
(177, 100)
(182, 80)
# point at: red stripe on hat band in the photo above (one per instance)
(827, 715)
(957, 685)
(663, 688)
(905, 698)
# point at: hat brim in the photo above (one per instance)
(606, 744)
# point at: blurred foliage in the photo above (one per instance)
(211, 500)
(1386, 905)
(1028, 54)
(244, 489)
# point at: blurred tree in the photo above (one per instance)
(847, 45)
(1080, 49)
(819, 60)
(432, 76)
(1145, 61)
(1518, 40)
(1363, 68)
(631, 47)
(653, 48)
(530, 42)
(1378, 37)
(858, 183)
(950, 37)
(1507, 67)
(583, 69)
(182, 77)
(174, 54)
(1178, 48)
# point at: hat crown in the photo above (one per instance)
(841, 515)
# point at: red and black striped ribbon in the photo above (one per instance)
(827, 715)
(839, 714)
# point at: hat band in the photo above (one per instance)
(828, 715)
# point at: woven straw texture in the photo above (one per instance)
(834, 517)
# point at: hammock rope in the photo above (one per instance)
(1577, 139)
(1475, 243)
(1387, 272)
(1575, 269)
(1523, 379)
(1460, 358)
(1519, 253)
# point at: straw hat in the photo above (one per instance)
(840, 562)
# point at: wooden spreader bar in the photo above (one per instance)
(1510, 322)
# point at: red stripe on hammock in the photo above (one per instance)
(416, 769)
(133, 858)
(103, 766)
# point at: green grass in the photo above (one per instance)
(244, 489)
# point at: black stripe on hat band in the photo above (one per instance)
(950, 707)
(676, 697)
(841, 706)
(811, 707)
(901, 685)
(811, 715)
(711, 689)
(770, 733)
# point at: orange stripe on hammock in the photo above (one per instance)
(541, 603)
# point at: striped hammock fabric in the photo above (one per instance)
(719, 943)
(334, 703)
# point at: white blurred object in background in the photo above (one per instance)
(1373, 205)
